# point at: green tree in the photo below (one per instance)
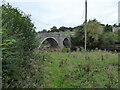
(78, 38)
(54, 29)
(62, 28)
(108, 39)
(19, 41)
(94, 29)
(108, 28)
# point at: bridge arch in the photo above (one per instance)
(59, 39)
(52, 41)
(66, 42)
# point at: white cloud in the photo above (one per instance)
(46, 13)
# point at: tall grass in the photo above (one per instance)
(95, 69)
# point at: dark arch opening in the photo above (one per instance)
(66, 43)
(50, 43)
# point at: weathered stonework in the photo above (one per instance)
(58, 37)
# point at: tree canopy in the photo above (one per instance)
(18, 42)
(94, 29)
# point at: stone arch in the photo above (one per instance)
(66, 42)
(52, 41)
(58, 37)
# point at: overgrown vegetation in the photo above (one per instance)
(24, 66)
(95, 69)
(98, 36)
(18, 44)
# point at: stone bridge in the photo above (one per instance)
(55, 39)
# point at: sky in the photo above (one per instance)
(70, 13)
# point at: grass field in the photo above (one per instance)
(95, 69)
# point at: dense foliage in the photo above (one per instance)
(98, 36)
(108, 40)
(94, 29)
(108, 28)
(24, 66)
(19, 41)
(55, 29)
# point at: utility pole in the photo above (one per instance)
(85, 26)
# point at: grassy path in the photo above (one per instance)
(96, 69)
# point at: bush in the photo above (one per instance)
(18, 43)
(107, 40)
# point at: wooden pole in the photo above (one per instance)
(85, 25)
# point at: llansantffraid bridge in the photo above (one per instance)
(56, 39)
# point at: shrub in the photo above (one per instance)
(18, 42)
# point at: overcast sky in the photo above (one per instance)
(70, 13)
